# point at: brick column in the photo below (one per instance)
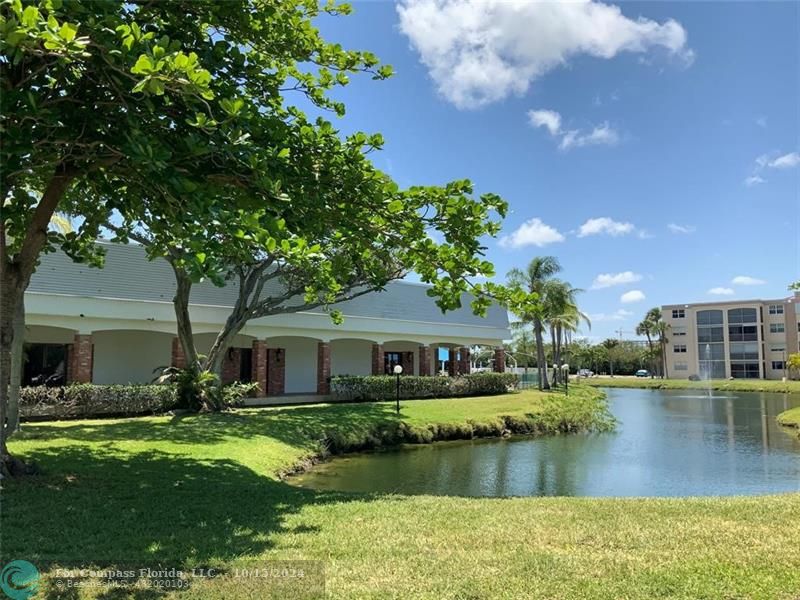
(81, 358)
(259, 369)
(377, 359)
(499, 360)
(424, 361)
(452, 362)
(463, 361)
(178, 357)
(323, 368)
(231, 366)
(276, 371)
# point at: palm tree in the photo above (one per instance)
(534, 280)
(611, 345)
(563, 317)
(647, 328)
(661, 329)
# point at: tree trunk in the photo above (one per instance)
(181, 304)
(17, 349)
(652, 355)
(555, 354)
(541, 363)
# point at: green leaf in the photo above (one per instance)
(30, 16)
(143, 66)
(67, 31)
(395, 206)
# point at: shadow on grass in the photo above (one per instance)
(287, 425)
(143, 510)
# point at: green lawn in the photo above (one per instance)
(732, 385)
(202, 491)
(790, 418)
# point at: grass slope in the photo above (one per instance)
(790, 418)
(731, 385)
(202, 491)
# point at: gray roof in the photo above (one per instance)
(128, 274)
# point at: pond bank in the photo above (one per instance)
(201, 492)
(790, 418)
(729, 385)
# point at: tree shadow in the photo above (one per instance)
(145, 510)
(288, 425)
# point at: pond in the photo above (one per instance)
(667, 443)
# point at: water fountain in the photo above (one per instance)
(706, 370)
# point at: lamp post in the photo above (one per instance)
(398, 370)
(565, 370)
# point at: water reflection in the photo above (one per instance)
(668, 444)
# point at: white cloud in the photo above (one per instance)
(481, 51)
(675, 228)
(773, 160)
(785, 161)
(721, 291)
(601, 135)
(632, 296)
(605, 225)
(761, 121)
(532, 233)
(604, 280)
(574, 138)
(546, 118)
(619, 315)
(747, 280)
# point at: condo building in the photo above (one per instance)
(747, 339)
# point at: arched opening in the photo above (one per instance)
(351, 356)
(297, 358)
(45, 355)
(129, 356)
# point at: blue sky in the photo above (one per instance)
(651, 147)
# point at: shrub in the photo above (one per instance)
(86, 399)
(383, 387)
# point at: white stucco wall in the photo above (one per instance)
(301, 363)
(351, 357)
(129, 356)
(38, 334)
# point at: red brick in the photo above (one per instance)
(276, 371)
(81, 357)
(463, 361)
(424, 361)
(452, 362)
(377, 359)
(259, 369)
(178, 357)
(499, 360)
(231, 365)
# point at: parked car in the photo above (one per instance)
(585, 373)
(643, 373)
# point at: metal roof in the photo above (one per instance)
(128, 275)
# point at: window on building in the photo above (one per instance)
(681, 366)
(745, 370)
(678, 313)
(44, 364)
(776, 309)
(776, 328)
(743, 333)
(390, 360)
(742, 315)
(710, 344)
(679, 331)
(777, 349)
(679, 348)
(744, 350)
(778, 365)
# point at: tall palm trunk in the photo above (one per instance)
(554, 345)
(541, 363)
(652, 355)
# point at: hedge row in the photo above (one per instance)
(86, 399)
(384, 387)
